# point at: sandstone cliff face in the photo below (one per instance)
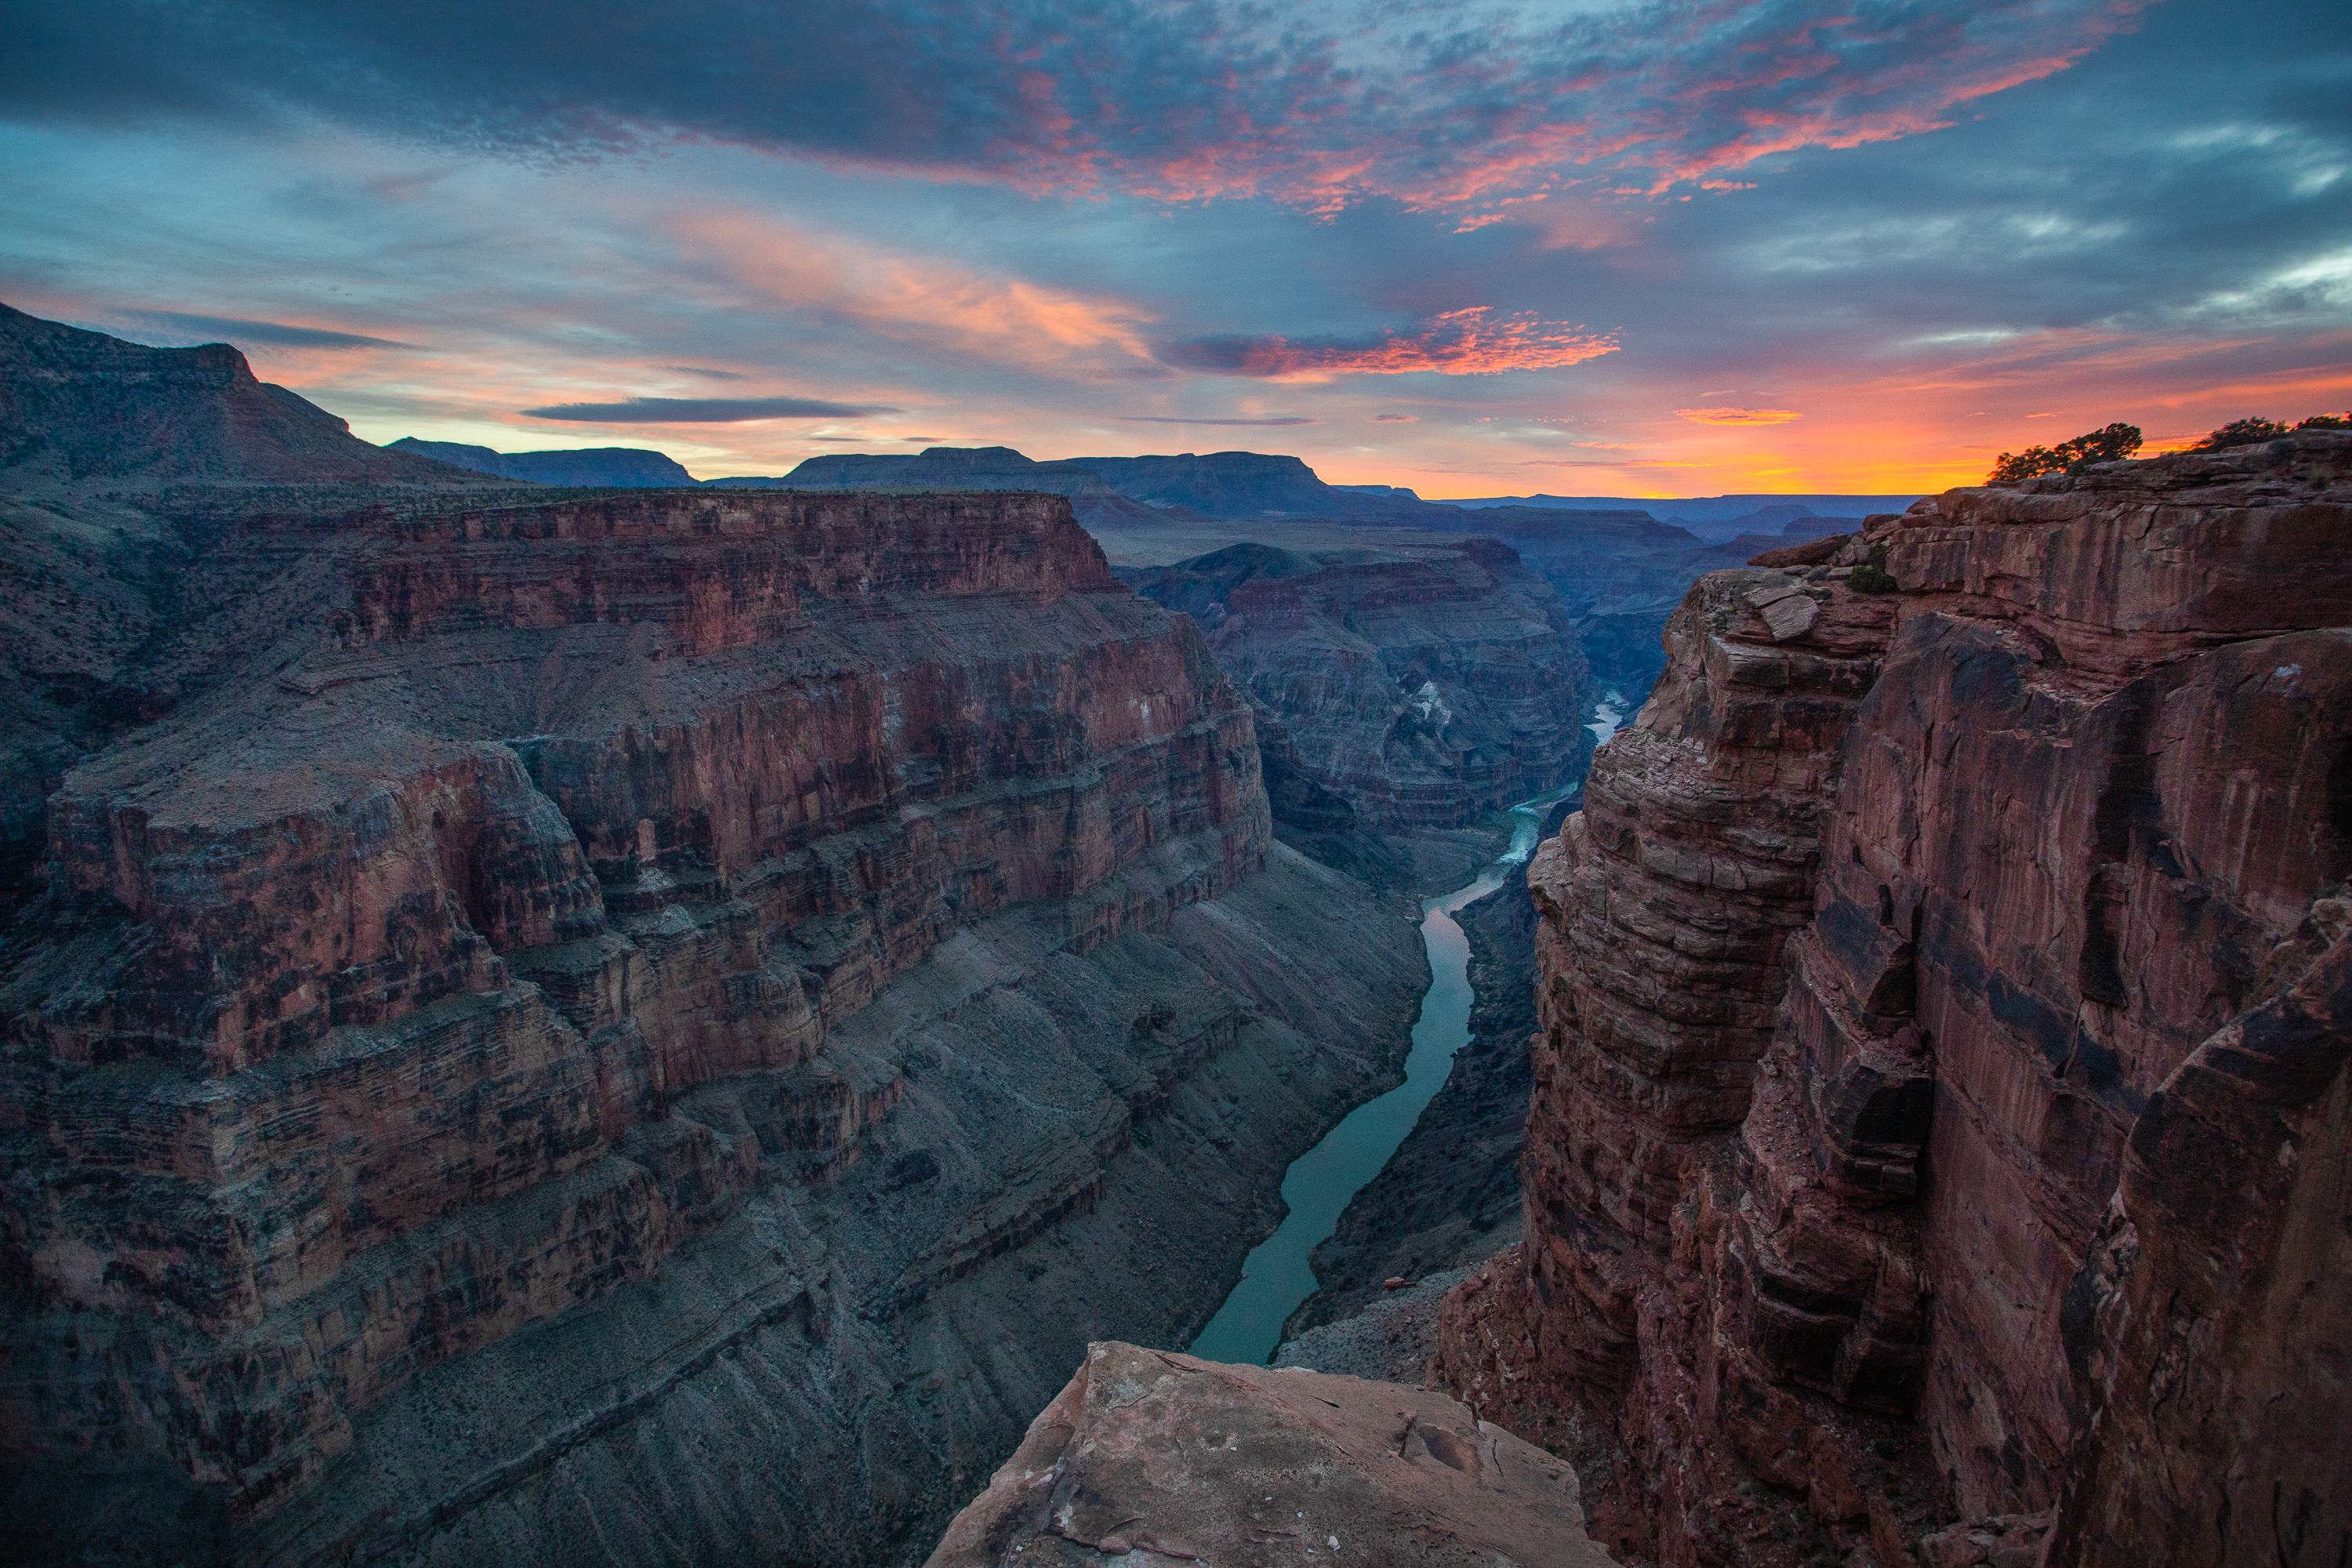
(78, 405)
(1939, 1103)
(1097, 503)
(595, 944)
(1394, 689)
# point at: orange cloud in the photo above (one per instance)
(1737, 415)
(916, 300)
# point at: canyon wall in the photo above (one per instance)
(1394, 688)
(1939, 1127)
(664, 1018)
(77, 406)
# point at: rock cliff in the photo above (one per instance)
(661, 1019)
(77, 406)
(1098, 504)
(1940, 1094)
(1152, 1458)
(587, 468)
(1392, 687)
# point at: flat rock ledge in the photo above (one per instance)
(1149, 1457)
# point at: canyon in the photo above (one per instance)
(1937, 1136)
(661, 1024)
(664, 1019)
(1426, 684)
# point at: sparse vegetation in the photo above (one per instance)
(2252, 431)
(2102, 445)
(1873, 578)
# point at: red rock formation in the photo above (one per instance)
(77, 405)
(1170, 1459)
(1421, 687)
(1941, 1092)
(486, 941)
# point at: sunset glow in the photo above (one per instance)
(1662, 249)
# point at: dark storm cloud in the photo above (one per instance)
(1431, 104)
(237, 330)
(703, 410)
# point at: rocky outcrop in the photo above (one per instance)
(79, 407)
(593, 963)
(1394, 688)
(1939, 1098)
(622, 467)
(1098, 504)
(1620, 574)
(1148, 1456)
(1243, 484)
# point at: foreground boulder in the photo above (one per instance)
(1152, 1458)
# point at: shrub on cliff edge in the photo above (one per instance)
(2256, 430)
(2106, 445)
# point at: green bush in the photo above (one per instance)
(2253, 431)
(1871, 576)
(2106, 445)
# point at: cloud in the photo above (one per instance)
(1600, 463)
(234, 329)
(707, 374)
(702, 410)
(1457, 342)
(1737, 415)
(1394, 418)
(1319, 105)
(1173, 419)
(940, 307)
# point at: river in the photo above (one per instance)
(1277, 1276)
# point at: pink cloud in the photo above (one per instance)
(1469, 342)
(1737, 415)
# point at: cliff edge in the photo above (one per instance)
(660, 1017)
(1940, 1127)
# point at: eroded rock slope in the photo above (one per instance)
(1940, 1099)
(656, 1026)
(1393, 689)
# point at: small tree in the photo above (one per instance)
(2242, 433)
(2109, 445)
(2254, 431)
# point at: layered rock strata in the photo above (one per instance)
(1939, 1105)
(1393, 689)
(1147, 1457)
(1098, 504)
(596, 947)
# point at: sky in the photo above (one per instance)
(1649, 249)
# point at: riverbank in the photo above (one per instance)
(1449, 1197)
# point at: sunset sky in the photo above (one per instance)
(1641, 250)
